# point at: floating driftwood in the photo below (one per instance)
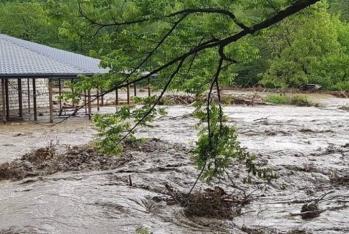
(241, 99)
(213, 203)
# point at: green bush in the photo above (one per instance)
(277, 99)
(296, 100)
(142, 230)
(301, 100)
(341, 86)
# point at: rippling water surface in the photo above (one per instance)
(304, 145)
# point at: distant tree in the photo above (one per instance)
(307, 48)
(25, 20)
(341, 7)
(71, 32)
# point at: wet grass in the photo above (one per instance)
(277, 99)
(141, 230)
(296, 100)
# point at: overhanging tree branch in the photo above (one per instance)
(300, 5)
(211, 10)
(221, 43)
(155, 104)
(291, 10)
(103, 25)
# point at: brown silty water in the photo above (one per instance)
(307, 147)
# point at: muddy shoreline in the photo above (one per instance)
(306, 146)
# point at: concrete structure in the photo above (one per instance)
(15, 96)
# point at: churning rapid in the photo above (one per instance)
(73, 190)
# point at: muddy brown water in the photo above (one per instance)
(308, 147)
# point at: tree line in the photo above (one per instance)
(309, 47)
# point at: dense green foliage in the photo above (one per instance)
(277, 99)
(217, 146)
(42, 21)
(193, 46)
(165, 38)
(115, 128)
(310, 47)
(296, 100)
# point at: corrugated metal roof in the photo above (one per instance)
(20, 58)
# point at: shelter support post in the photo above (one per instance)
(135, 89)
(20, 98)
(98, 100)
(3, 100)
(28, 86)
(85, 101)
(50, 99)
(60, 93)
(7, 99)
(89, 103)
(149, 91)
(116, 97)
(102, 98)
(128, 93)
(34, 101)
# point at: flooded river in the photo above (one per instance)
(307, 147)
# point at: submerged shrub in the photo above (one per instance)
(296, 100)
(301, 100)
(277, 99)
(341, 86)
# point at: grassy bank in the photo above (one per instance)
(296, 100)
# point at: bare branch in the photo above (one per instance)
(161, 41)
(155, 104)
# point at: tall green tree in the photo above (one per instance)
(26, 20)
(307, 49)
(340, 7)
(72, 33)
(192, 46)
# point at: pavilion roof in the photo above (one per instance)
(24, 59)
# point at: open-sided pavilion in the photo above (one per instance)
(24, 63)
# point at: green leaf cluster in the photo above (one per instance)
(117, 127)
(218, 147)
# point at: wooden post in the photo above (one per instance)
(97, 100)
(116, 97)
(60, 93)
(50, 99)
(34, 101)
(128, 93)
(7, 99)
(149, 87)
(134, 89)
(28, 97)
(89, 103)
(20, 98)
(85, 101)
(102, 99)
(3, 100)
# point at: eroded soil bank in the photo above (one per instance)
(77, 190)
